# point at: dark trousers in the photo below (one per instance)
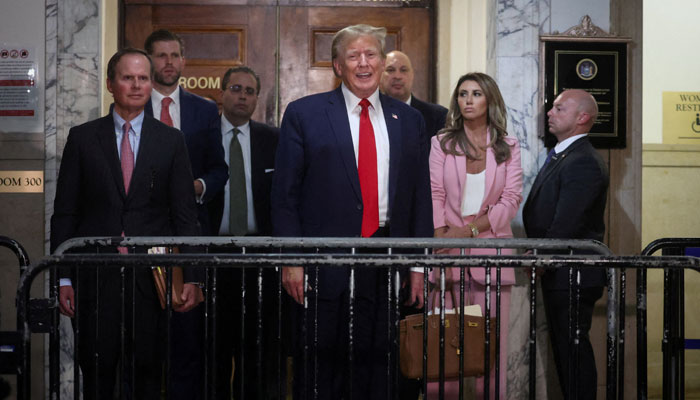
(557, 309)
(322, 353)
(247, 338)
(102, 341)
(186, 355)
(323, 336)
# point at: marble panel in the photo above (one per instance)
(72, 98)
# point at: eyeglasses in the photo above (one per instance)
(238, 88)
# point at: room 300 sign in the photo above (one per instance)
(21, 181)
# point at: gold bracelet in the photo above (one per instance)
(475, 230)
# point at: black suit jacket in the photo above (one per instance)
(199, 122)
(263, 146)
(90, 196)
(567, 201)
(433, 114)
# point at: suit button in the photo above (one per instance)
(359, 206)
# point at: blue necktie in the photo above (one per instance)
(549, 157)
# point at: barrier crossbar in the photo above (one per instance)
(394, 255)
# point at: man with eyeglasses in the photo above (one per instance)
(250, 148)
(197, 118)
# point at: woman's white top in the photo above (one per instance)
(474, 188)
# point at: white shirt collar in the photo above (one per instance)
(410, 97)
(352, 101)
(227, 126)
(564, 144)
(157, 97)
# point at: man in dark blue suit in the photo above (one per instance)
(397, 82)
(350, 162)
(567, 201)
(198, 119)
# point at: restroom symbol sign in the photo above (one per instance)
(695, 125)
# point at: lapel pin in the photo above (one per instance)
(394, 116)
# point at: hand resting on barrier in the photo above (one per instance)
(191, 297)
(293, 282)
(66, 301)
(415, 298)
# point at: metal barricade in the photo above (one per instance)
(673, 342)
(11, 352)
(394, 255)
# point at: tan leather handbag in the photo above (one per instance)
(411, 345)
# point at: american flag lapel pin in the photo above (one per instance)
(394, 116)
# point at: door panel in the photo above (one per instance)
(219, 34)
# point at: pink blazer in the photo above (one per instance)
(502, 197)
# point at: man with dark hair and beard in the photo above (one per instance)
(198, 119)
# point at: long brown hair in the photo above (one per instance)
(454, 139)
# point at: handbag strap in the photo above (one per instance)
(452, 295)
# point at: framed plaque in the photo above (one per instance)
(598, 66)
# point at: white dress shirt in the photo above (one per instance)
(174, 110)
(564, 144)
(474, 188)
(381, 139)
(157, 100)
(244, 139)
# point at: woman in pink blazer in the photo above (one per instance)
(476, 181)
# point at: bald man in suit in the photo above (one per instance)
(567, 201)
(397, 82)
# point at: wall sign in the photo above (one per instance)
(681, 117)
(21, 181)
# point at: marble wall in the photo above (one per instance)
(72, 98)
(513, 59)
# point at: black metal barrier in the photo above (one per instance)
(393, 255)
(10, 341)
(673, 343)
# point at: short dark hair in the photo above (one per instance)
(240, 68)
(112, 64)
(163, 35)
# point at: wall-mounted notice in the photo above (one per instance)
(681, 117)
(19, 95)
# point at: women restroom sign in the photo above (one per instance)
(681, 117)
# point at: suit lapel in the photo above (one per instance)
(553, 166)
(460, 163)
(185, 118)
(340, 125)
(491, 166)
(147, 149)
(393, 127)
(108, 144)
(255, 161)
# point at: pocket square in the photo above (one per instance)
(268, 170)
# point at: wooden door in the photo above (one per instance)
(219, 34)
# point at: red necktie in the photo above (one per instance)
(165, 111)
(367, 170)
(127, 161)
